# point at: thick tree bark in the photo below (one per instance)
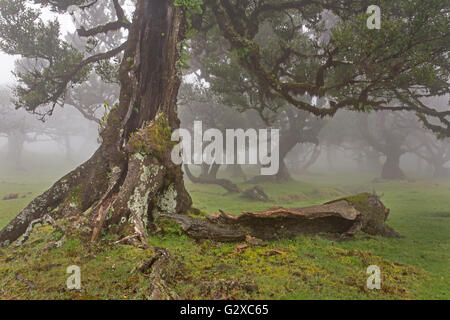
(346, 217)
(131, 177)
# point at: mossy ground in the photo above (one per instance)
(318, 267)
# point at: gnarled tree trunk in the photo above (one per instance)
(131, 176)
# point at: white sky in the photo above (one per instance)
(6, 66)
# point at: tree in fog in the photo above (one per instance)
(236, 89)
(296, 127)
(13, 126)
(287, 51)
(100, 90)
(21, 127)
(122, 186)
(387, 134)
(197, 103)
(436, 152)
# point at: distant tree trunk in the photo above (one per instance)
(16, 141)
(372, 160)
(391, 168)
(390, 145)
(288, 141)
(436, 163)
(205, 171)
(439, 171)
(283, 172)
(303, 160)
(131, 176)
(235, 171)
(209, 171)
(67, 147)
(331, 157)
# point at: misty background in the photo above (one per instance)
(356, 142)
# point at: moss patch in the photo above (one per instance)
(154, 139)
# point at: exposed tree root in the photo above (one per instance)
(209, 177)
(45, 219)
(224, 183)
(282, 176)
(125, 202)
(161, 276)
(346, 217)
(30, 284)
(162, 268)
(127, 239)
(64, 194)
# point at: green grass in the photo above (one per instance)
(312, 267)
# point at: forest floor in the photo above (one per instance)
(306, 267)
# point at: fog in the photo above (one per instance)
(6, 67)
(342, 143)
(72, 132)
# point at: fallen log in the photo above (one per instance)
(346, 217)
